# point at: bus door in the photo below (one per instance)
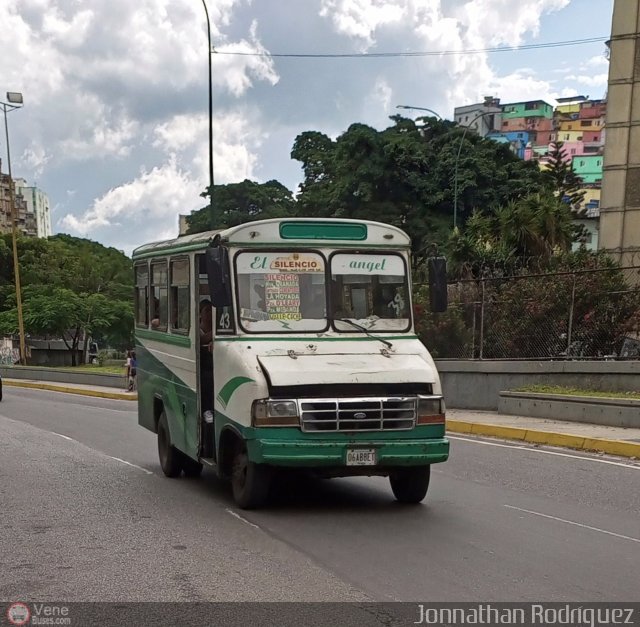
(204, 360)
(215, 319)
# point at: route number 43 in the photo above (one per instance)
(224, 321)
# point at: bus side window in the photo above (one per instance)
(180, 296)
(142, 294)
(159, 304)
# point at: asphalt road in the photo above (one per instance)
(86, 514)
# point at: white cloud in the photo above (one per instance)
(522, 86)
(237, 73)
(496, 22)
(180, 132)
(102, 133)
(36, 158)
(237, 139)
(597, 61)
(361, 18)
(382, 93)
(596, 80)
(67, 33)
(149, 204)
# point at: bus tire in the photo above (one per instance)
(170, 457)
(191, 467)
(410, 485)
(250, 482)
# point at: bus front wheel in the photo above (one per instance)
(249, 481)
(170, 457)
(410, 485)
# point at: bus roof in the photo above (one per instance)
(338, 233)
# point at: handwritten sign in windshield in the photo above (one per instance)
(282, 296)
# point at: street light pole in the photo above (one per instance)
(455, 175)
(420, 109)
(212, 213)
(15, 102)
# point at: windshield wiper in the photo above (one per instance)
(359, 326)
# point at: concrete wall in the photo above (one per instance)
(466, 384)
(64, 376)
(477, 384)
(600, 411)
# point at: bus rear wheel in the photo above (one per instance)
(410, 485)
(170, 457)
(250, 482)
(192, 469)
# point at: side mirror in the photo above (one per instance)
(438, 283)
(219, 276)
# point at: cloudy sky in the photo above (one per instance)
(115, 123)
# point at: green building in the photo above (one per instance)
(531, 109)
(588, 168)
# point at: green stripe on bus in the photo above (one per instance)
(165, 338)
(230, 387)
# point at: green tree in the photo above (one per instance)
(72, 288)
(529, 230)
(565, 182)
(404, 175)
(237, 203)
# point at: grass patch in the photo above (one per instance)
(96, 369)
(568, 391)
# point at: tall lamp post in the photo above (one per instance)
(420, 109)
(14, 101)
(212, 213)
(455, 175)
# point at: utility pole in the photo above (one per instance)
(15, 102)
(212, 213)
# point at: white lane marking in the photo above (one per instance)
(66, 437)
(244, 520)
(571, 522)
(545, 452)
(124, 461)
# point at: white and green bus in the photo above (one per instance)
(311, 361)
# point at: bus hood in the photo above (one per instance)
(283, 370)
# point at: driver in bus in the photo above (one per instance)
(206, 358)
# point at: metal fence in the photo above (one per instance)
(581, 313)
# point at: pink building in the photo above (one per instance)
(597, 110)
(590, 137)
(539, 128)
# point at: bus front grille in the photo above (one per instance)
(357, 414)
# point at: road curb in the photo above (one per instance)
(532, 436)
(36, 385)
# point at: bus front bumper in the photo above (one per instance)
(326, 453)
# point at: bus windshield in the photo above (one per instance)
(371, 290)
(281, 292)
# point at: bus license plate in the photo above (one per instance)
(361, 457)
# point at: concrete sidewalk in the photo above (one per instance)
(75, 388)
(575, 435)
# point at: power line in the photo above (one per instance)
(432, 53)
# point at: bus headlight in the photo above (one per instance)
(430, 410)
(270, 413)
